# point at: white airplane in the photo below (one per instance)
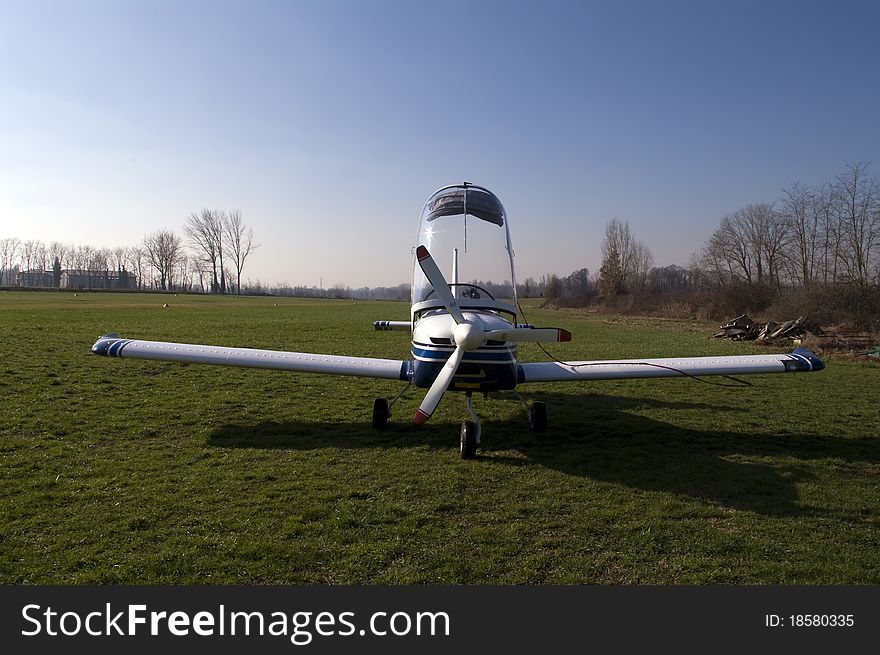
(463, 337)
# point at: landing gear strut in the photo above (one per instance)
(470, 431)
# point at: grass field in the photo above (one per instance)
(145, 472)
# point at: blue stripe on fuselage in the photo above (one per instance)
(499, 355)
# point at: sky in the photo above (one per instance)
(329, 122)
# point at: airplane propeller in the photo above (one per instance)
(441, 288)
(468, 335)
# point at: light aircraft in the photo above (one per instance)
(464, 338)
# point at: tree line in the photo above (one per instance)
(816, 249)
(824, 233)
(209, 257)
(817, 246)
(339, 291)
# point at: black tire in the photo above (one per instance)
(468, 440)
(538, 417)
(380, 413)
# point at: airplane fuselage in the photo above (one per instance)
(491, 367)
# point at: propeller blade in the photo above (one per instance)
(533, 335)
(441, 384)
(435, 277)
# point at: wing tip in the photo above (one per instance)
(421, 417)
(104, 342)
(813, 361)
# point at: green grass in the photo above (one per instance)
(147, 472)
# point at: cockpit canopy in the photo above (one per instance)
(465, 229)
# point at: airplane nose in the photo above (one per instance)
(468, 335)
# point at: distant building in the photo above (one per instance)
(9, 277)
(35, 279)
(73, 279)
(70, 279)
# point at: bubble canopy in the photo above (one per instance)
(466, 230)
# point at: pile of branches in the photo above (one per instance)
(743, 328)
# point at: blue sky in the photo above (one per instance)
(328, 123)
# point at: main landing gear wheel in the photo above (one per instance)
(380, 413)
(468, 440)
(538, 417)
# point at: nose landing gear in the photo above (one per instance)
(470, 430)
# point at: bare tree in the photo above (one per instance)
(749, 244)
(9, 248)
(611, 278)
(137, 257)
(825, 206)
(731, 246)
(799, 211)
(80, 256)
(708, 269)
(552, 285)
(755, 220)
(118, 256)
(618, 239)
(59, 251)
(182, 272)
(41, 257)
(624, 253)
(769, 235)
(164, 250)
(641, 262)
(29, 254)
(205, 232)
(239, 243)
(200, 269)
(858, 198)
(100, 260)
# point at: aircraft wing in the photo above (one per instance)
(800, 360)
(115, 346)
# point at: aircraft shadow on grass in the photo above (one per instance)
(599, 437)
